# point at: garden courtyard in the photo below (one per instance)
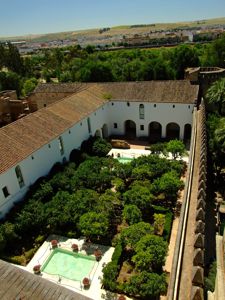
(125, 211)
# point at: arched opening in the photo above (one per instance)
(130, 129)
(98, 133)
(155, 131)
(172, 131)
(105, 132)
(187, 132)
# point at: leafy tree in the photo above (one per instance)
(169, 184)
(184, 57)
(217, 52)
(216, 129)
(150, 254)
(132, 214)
(10, 81)
(29, 85)
(159, 222)
(147, 285)
(13, 60)
(131, 235)
(139, 196)
(176, 148)
(216, 94)
(94, 224)
(108, 203)
(158, 148)
(141, 173)
(118, 184)
(101, 147)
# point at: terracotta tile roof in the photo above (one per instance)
(61, 87)
(170, 91)
(16, 283)
(23, 137)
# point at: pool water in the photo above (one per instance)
(74, 266)
(124, 160)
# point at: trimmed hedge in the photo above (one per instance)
(111, 270)
(168, 226)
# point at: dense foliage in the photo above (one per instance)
(104, 200)
(76, 64)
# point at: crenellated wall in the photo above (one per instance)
(199, 240)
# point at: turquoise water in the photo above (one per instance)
(124, 160)
(67, 264)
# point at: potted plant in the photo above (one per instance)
(86, 282)
(37, 269)
(75, 247)
(54, 244)
(121, 297)
(98, 254)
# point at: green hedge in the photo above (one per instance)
(168, 226)
(111, 270)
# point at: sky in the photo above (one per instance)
(24, 17)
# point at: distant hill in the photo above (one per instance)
(118, 30)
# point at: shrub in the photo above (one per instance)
(168, 226)
(18, 260)
(110, 271)
(39, 239)
(29, 254)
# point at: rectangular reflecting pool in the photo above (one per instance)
(124, 160)
(73, 266)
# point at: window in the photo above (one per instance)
(89, 125)
(115, 125)
(112, 103)
(5, 191)
(173, 106)
(80, 123)
(141, 111)
(19, 176)
(154, 105)
(61, 147)
(142, 127)
(128, 103)
(45, 105)
(49, 145)
(32, 157)
(189, 106)
(69, 132)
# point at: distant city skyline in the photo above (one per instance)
(24, 17)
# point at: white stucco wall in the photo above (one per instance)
(42, 160)
(162, 113)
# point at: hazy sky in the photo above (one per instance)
(19, 17)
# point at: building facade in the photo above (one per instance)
(31, 146)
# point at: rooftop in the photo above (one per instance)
(23, 137)
(16, 283)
